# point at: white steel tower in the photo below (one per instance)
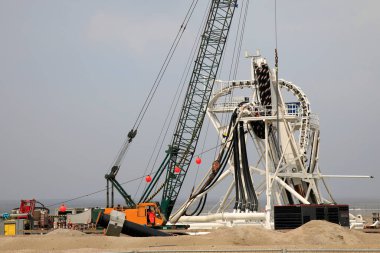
(269, 150)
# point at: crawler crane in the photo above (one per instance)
(188, 127)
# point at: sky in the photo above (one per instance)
(74, 75)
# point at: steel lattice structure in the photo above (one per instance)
(193, 111)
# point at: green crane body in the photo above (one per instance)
(198, 94)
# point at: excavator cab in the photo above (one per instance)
(152, 213)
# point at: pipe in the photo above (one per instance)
(291, 190)
(14, 215)
(240, 200)
(223, 217)
(131, 228)
(247, 176)
(174, 218)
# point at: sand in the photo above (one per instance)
(315, 234)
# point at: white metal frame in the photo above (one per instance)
(297, 172)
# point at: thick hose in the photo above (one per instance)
(252, 201)
(238, 179)
(131, 228)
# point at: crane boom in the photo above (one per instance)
(193, 111)
(111, 177)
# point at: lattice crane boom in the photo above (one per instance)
(198, 94)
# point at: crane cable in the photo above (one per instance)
(123, 183)
(277, 86)
(173, 105)
(132, 133)
(92, 193)
(236, 51)
(165, 64)
(235, 57)
(184, 76)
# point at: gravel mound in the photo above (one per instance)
(65, 232)
(323, 232)
(314, 233)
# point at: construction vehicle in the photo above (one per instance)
(31, 215)
(141, 214)
(26, 208)
(187, 130)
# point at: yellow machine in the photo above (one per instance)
(143, 214)
(10, 228)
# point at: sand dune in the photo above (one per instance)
(315, 234)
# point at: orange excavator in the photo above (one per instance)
(148, 214)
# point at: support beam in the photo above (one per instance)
(291, 190)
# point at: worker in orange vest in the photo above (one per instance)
(151, 216)
(62, 209)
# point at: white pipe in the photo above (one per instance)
(345, 176)
(174, 217)
(296, 194)
(205, 225)
(16, 215)
(223, 217)
(222, 204)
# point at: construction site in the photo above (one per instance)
(262, 169)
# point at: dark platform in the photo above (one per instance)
(294, 216)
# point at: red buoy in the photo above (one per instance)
(148, 179)
(177, 169)
(198, 160)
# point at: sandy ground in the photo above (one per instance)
(315, 234)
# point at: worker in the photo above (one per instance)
(151, 216)
(62, 209)
(215, 166)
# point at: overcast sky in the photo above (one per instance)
(74, 74)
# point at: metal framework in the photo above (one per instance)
(283, 160)
(111, 176)
(193, 111)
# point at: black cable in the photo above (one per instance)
(199, 207)
(213, 178)
(241, 37)
(239, 198)
(179, 90)
(275, 20)
(208, 184)
(222, 167)
(247, 175)
(234, 57)
(160, 75)
(196, 209)
(223, 157)
(243, 169)
(235, 46)
(93, 193)
(276, 66)
(203, 206)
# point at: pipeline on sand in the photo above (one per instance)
(131, 228)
